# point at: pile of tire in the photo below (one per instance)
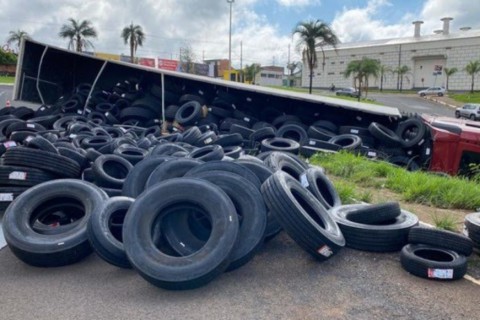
(184, 200)
(472, 228)
(436, 254)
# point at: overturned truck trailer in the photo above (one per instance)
(137, 95)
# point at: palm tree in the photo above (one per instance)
(77, 33)
(362, 70)
(314, 34)
(16, 37)
(291, 67)
(472, 68)
(383, 70)
(135, 36)
(449, 72)
(401, 71)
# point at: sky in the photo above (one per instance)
(261, 29)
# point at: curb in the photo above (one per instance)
(441, 102)
(6, 84)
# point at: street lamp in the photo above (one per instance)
(230, 41)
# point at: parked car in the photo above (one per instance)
(438, 91)
(349, 92)
(470, 111)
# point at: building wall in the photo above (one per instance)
(421, 57)
(269, 78)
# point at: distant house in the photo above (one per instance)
(270, 76)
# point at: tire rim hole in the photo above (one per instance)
(305, 205)
(55, 213)
(434, 255)
(115, 223)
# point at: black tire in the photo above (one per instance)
(207, 153)
(220, 112)
(233, 152)
(280, 144)
(325, 124)
(347, 141)
(472, 223)
(324, 145)
(358, 131)
(262, 134)
(51, 162)
(74, 155)
(441, 239)
(41, 144)
(457, 114)
(131, 153)
(243, 131)
(136, 179)
(302, 216)
(191, 135)
(105, 231)
(110, 171)
(409, 163)
(227, 140)
(376, 238)
(375, 213)
(189, 113)
(171, 169)
(432, 262)
(321, 187)
(166, 149)
(282, 161)
(250, 208)
(319, 133)
(385, 135)
(180, 273)
(23, 176)
(293, 132)
(9, 194)
(59, 248)
(411, 132)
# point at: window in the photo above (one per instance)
(271, 75)
(342, 62)
(278, 76)
(263, 75)
(333, 62)
(331, 73)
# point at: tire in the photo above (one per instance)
(347, 141)
(243, 131)
(385, 135)
(319, 133)
(249, 206)
(280, 144)
(228, 140)
(180, 273)
(227, 166)
(205, 139)
(327, 125)
(359, 131)
(314, 180)
(191, 135)
(60, 248)
(110, 171)
(432, 262)
(323, 145)
(207, 153)
(411, 132)
(105, 231)
(189, 113)
(166, 149)
(41, 144)
(375, 213)
(293, 132)
(54, 163)
(171, 169)
(375, 238)
(409, 163)
(130, 153)
(8, 195)
(302, 216)
(23, 176)
(278, 161)
(263, 133)
(136, 179)
(472, 223)
(441, 239)
(457, 114)
(233, 152)
(472, 117)
(75, 156)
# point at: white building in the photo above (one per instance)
(270, 76)
(425, 55)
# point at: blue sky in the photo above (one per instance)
(263, 27)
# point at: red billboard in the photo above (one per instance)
(149, 62)
(167, 64)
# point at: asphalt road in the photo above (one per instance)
(282, 282)
(6, 93)
(410, 103)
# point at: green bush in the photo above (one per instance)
(7, 58)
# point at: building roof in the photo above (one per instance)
(407, 40)
(273, 68)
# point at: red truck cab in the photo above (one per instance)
(456, 144)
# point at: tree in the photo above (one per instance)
(472, 68)
(449, 72)
(383, 70)
(78, 34)
(251, 71)
(362, 70)
(134, 36)
(401, 71)
(314, 34)
(187, 58)
(16, 37)
(292, 66)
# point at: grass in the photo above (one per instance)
(7, 79)
(466, 97)
(416, 187)
(445, 222)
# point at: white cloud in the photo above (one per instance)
(297, 3)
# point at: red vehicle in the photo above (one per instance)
(456, 144)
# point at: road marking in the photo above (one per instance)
(471, 279)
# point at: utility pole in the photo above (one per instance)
(288, 53)
(241, 61)
(230, 40)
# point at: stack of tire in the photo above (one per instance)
(436, 254)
